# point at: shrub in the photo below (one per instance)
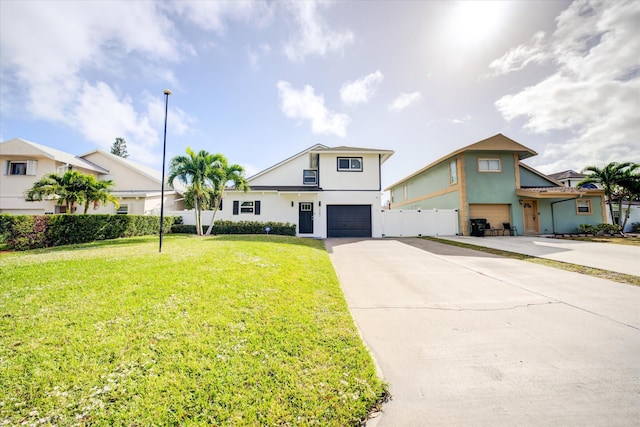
(599, 229)
(635, 227)
(241, 227)
(37, 231)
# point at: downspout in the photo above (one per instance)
(553, 221)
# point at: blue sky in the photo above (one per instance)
(259, 81)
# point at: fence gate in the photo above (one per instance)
(419, 222)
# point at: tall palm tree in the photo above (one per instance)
(607, 177)
(221, 175)
(194, 170)
(630, 190)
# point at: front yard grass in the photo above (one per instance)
(222, 331)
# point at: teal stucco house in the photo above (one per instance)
(487, 180)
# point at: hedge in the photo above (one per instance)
(241, 227)
(23, 232)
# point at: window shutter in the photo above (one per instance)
(236, 207)
(31, 167)
(257, 207)
(220, 205)
(7, 166)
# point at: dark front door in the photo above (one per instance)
(305, 218)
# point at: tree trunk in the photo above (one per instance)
(198, 220)
(216, 204)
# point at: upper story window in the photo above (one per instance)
(351, 164)
(453, 172)
(20, 167)
(583, 206)
(310, 177)
(489, 165)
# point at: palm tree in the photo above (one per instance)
(96, 192)
(608, 178)
(71, 189)
(221, 175)
(194, 170)
(630, 190)
(65, 188)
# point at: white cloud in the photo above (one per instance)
(593, 92)
(314, 37)
(361, 90)
(519, 57)
(404, 100)
(87, 38)
(454, 121)
(213, 15)
(306, 105)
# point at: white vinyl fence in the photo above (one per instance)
(420, 222)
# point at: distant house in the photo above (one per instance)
(24, 162)
(487, 180)
(570, 178)
(325, 191)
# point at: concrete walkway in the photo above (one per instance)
(606, 256)
(466, 338)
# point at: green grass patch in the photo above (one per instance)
(221, 331)
(629, 240)
(596, 272)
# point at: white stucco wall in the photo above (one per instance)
(332, 179)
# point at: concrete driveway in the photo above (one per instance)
(466, 338)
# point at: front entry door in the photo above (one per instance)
(305, 218)
(530, 213)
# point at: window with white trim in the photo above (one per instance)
(310, 177)
(350, 164)
(123, 210)
(21, 167)
(489, 165)
(453, 172)
(583, 206)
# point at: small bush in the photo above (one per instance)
(23, 232)
(241, 227)
(599, 229)
(635, 228)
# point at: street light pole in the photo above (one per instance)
(166, 92)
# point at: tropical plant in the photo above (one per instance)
(629, 191)
(608, 178)
(71, 189)
(96, 192)
(221, 175)
(119, 148)
(194, 170)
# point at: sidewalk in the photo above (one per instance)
(606, 256)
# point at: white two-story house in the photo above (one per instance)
(325, 191)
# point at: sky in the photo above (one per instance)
(259, 81)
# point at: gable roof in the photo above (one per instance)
(146, 171)
(498, 142)
(566, 175)
(52, 153)
(287, 160)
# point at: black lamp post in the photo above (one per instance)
(166, 92)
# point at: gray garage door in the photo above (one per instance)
(348, 220)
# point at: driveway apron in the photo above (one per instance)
(471, 339)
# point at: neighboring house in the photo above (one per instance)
(571, 178)
(326, 192)
(24, 162)
(487, 180)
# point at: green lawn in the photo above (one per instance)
(224, 331)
